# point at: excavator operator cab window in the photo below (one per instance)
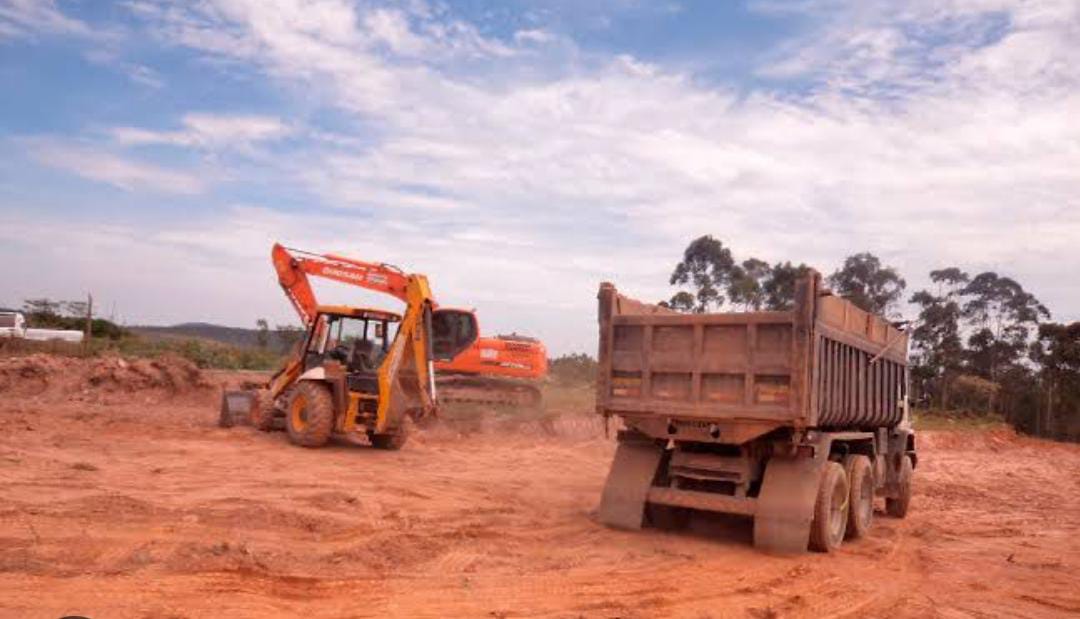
(452, 331)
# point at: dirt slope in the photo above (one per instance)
(123, 499)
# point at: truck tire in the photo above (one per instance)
(262, 411)
(861, 497)
(309, 418)
(667, 517)
(390, 442)
(897, 507)
(830, 510)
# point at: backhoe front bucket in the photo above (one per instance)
(236, 407)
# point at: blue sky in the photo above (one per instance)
(521, 152)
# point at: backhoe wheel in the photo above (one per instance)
(898, 507)
(861, 496)
(262, 411)
(310, 415)
(390, 442)
(830, 510)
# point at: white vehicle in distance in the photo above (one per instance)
(13, 324)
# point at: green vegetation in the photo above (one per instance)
(936, 419)
(203, 353)
(578, 369)
(110, 338)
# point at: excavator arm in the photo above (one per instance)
(293, 267)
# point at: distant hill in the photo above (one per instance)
(233, 336)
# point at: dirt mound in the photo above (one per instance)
(47, 376)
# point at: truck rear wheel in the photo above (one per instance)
(310, 416)
(861, 496)
(667, 517)
(830, 509)
(897, 506)
(262, 411)
(389, 442)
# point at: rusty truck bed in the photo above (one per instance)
(825, 364)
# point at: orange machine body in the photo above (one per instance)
(510, 356)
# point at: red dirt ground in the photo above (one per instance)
(119, 497)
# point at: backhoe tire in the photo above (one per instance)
(309, 418)
(830, 509)
(897, 507)
(861, 496)
(262, 411)
(390, 442)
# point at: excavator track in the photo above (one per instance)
(456, 388)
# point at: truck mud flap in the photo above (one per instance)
(622, 504)
(785, 505)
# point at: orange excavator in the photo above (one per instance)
(505, 369)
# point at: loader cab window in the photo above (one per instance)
(452, 331)
(357, 343)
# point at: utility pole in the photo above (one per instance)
(89, 319)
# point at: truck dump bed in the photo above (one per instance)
(825, 364)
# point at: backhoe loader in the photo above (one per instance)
(349, 375)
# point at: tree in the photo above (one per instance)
(75, 309)
(936, 336)
(746, 285)
(288, 335)
(41, 308)
(707, 267)
(263, 334)
(681, 301)
(778, 287)
(1057, 351)
(864, 281)
(1002, 315)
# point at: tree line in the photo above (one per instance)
(980, 343)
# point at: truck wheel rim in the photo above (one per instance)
(838, 513)
(297, 413)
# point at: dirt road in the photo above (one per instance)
(119, 497)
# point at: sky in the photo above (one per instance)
(521, 152)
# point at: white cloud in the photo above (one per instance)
(207, 131)
(23, 18)
(953, 115)
(105, 167)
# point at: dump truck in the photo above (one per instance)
(797, 418)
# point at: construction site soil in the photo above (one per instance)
(120, 497)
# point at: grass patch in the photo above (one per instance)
(205, 354)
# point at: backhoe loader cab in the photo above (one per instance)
(365, 370)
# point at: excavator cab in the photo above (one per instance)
(452, 331)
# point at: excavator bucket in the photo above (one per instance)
(236, 407)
